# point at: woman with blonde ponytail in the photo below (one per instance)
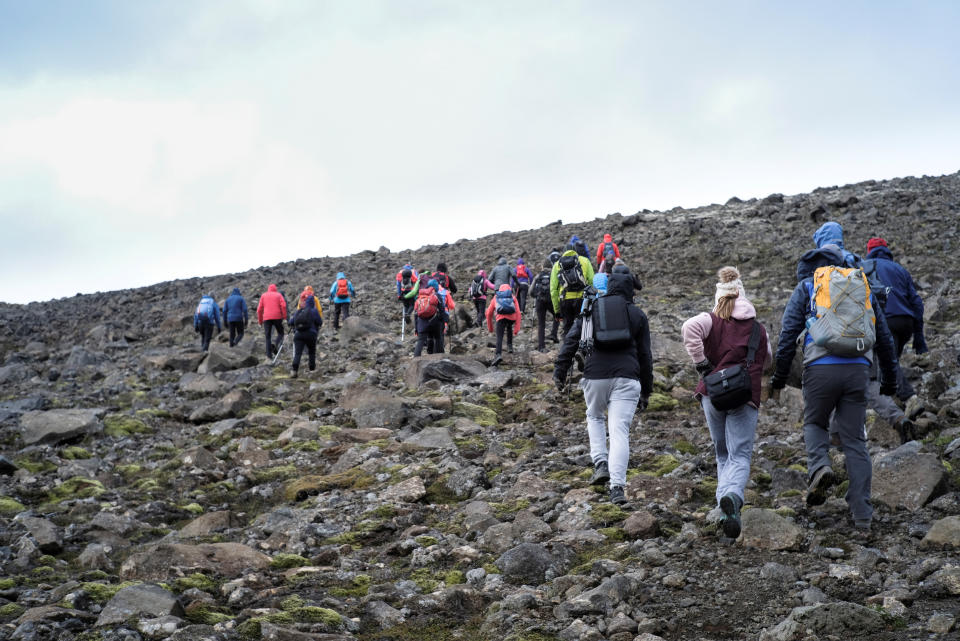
(717, 340)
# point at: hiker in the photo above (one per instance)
(503, 275)
(833, 382)
(407, 279)
(341, 293)
(617, 378)
(306, 324)
(430, 314)
(506, 310)
(271, 314)
(607, 248)
(235, 315)
(831, 233)
(524, 278)
(205, 318)
(609, 261)
(903, 306)
(579, 246)
(444, 279)
(620, 267)
(568, 278)
(540, 291)
(478, 294)
(449, 309)
(309, 293)
(726, 337)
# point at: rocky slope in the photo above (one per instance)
(149, 492)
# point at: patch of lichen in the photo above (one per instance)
(284, 561)
(451, 629)
(207, 614)
(706, 489)
(311, 485)
(361, 530)
(438, 493)
(10, 611)
(122, 425)
(35, 467)
(507, 508)
(10, 507)
(685, 447)
(74, 452)
(276, 473)
(196, 580)
(359, 586)
(660, 465)
(483, 416)
(76, 487)
(103, 592)
(607, 513)
(250, 629)
(265, 408)
(425, 580)
(520, 445)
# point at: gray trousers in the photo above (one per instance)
(616, 398)
(842, 390)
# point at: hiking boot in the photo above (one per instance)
(294, 375)
(617, 497)
(862, 525)
(905, 430)
(496, 361)
(601, 473)
(823, 479)
(730, 506)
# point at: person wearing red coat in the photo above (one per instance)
(506, 321)
(271, 313)
(607, 246)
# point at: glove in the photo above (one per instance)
(704, 367)
(560, 380)
(888, 388)
(919, 343)
(778, 382)
(643, 403)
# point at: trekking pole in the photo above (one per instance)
(403, 326)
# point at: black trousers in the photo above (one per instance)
(206, 333)
(310, 342)
(902, 329)
(268, 327)
(569, 310)
(236, 332)
(339, 308)
(522, 290)
(544, 307)
(407, 307)
(504, 326)
(481, 307)
(431, 337)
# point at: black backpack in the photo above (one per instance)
(581, 248)
(541, 287)
(477, 287)
(611, 322)
(877, 287)
(302, 320)
(571, 274)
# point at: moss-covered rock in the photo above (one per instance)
(75, 452)
(479, 414)
(103, 592)
(359, 586)
(660, 465)
(607, 513)
(312, 485)
(76, 487)
(196, 580)
(662, 403)
(11, 611)
(276, 473)
(10, 507)
(285, 561)
(121, 425)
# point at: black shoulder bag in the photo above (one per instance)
(731, 387)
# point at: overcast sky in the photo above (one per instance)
(146, 141)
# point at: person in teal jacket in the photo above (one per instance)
(341, 295)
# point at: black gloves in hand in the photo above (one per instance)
(888, 388)
(704, 367)
(560, 380)
(778, 382)
(643, 403)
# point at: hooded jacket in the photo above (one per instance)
(272, 305)
(798, 310)
(555, 293)
(578, 244)
(316, 321)
(235, 308)
(902, 298)
(831, 233)
(524, 276)
(333, 290)
(208, 302)
(502, 274)
(414, 277)
(603, 248)
(486, 284)
(492, 312)
(634, 362)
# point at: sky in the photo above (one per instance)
(146, 141)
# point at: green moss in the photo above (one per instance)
(454, 577)
(788, 493)
(6, 584)
(277, 473)
(35, 467)
(661, 465)
(103, 592)
(520, 445)
(439, 494)
(43, 571)
(494, 473)
(425, 541)
(147, 485)
(360, 531)
(264, 409)
(11, 611)
(359, 587)
(509, 507)
(796, 467)
(292, 602)
(311, 485)
(76, 487)
(763, 479)
(483, 416)
(532, 635)
(121, 425)
(195, 580)
(285, 561)
(490, 568)
(613, 533)
(206, 614)
(315, 614)
(75, 452)
(324, 432)
(842, 489)
(152, 412)
(193, 508)
(46, 559)
(662, 403)
(607, 513)
(706, 489)
(685, 447)
(381, 512)
(128, 471)
(424, 579)
(786, 512)
(474, 442)
(10, 507)
(302, 446)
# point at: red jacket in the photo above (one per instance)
(271, 306)
(601, 250)
(492, 311)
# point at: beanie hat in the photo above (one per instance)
(875, 242)
(729, 283)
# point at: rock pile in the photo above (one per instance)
(149, 491)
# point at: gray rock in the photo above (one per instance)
(160, 562)
(466, 480)
(778, 573)
(139, 600)
(766, 530)
(182, 362)
(191, 383)
(95, 556)
(381, 614)
(48, 537)
(445, 368)
(80, 357)
(230, 406)
(409, 491)
(223, 358)
(943, 582)
(15, 373)
(907, 478)
(54, 426)
(197, 633)
(372, 407)
(641, 525)
(209, 523)
(580, 631)
(431, 438)
(945, 532)
(116, 523)
(841, 618)
(812, 596)
(160, 627)
(526, 563)
(940, 622)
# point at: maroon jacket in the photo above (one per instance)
(726, 345)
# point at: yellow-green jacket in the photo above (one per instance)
(555, 292)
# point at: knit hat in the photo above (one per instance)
(729, 283)
(875, 242)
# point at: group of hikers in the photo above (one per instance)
(851, 316)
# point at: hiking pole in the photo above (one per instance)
(403, 326)
(276, 356)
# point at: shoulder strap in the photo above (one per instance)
(754, 342)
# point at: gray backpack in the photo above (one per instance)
(844, 323)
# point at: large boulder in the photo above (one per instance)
(232, 405)
(907, 478)
(181, 362)
(223, 358)
(373, 407)
(147, 600)
(162, 561)
(842, 619)
(53, 426)
(527, 563)
(445, 368)
(360, 327)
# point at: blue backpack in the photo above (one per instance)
(205, 309)
(505, 302)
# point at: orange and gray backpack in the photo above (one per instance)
(843, 321)
(427, 304)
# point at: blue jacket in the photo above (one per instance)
(211, 305)
(235, 308)
(832, 234)
(798, 309)
(333, 290)
(902, 296)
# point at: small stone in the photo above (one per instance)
(144, 599)
(766, 530)
(940, 622)
(409, 491)
(641, 525)
(945, 532)
(893, 607)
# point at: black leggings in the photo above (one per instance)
(236, 332)
(504, 326)
(337, 309)
(268, 327)
(902, 329)
(522, 290)
(310, 342)
(544, 307)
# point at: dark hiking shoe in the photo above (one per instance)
(730, 506)
(905, 430)
(617, 496)
(294, 375)
(823, 479)
(496, 361)
(601, 473)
